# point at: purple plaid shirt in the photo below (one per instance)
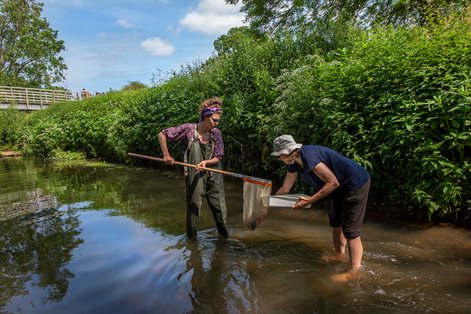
(185, 132)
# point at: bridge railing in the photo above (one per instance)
(25, 98)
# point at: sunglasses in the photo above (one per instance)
(215, 120)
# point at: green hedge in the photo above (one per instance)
(10, 123)
(399, 103)
(395, 100)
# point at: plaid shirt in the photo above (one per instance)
(185, 133)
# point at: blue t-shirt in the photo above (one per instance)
(349, 174)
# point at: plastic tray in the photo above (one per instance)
(287, 200)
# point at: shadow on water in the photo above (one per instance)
(83, 239)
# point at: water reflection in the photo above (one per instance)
(32, 202)
(220, 279)
(35, 249)
(111, 240)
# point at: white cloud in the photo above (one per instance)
(213, 17)
(124, 23)
(157, 47)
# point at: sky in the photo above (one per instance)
(109, 43)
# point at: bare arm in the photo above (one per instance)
(290, 179)
(331, 183)
(208, 162)
(168, 159)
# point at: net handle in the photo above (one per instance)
(227, 173)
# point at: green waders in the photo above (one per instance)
(204, 184)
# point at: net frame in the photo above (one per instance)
(255, 207)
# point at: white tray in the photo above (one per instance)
(287, 200)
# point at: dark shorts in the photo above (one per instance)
(348, 211)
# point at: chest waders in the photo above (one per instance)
(201, 185)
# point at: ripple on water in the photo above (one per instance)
(133, 258)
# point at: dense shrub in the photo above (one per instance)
(396, 100)
(10, 124)
(399, 103)
(82, 126)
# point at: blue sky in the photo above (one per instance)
(112, 42)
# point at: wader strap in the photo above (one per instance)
(187, 150)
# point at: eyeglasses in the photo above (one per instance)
(215, 120)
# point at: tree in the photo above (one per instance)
(134, 85)
(273, 15)
(29, 48)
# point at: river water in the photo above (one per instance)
(93, 238)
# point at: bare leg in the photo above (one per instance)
(340, 245)
(355, 250)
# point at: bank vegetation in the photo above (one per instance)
(395, 98)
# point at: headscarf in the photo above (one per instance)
(208, 111)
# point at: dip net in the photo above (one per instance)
(256, 192)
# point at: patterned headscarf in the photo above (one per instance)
(209, 111)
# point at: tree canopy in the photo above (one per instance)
(133, 85)
(29, 48)
(293, 15)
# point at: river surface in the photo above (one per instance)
(93, 238)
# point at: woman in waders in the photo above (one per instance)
(204, 147)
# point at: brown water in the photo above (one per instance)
(92, 239)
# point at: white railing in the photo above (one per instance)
(25, 98)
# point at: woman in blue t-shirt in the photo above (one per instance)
(336, 176)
